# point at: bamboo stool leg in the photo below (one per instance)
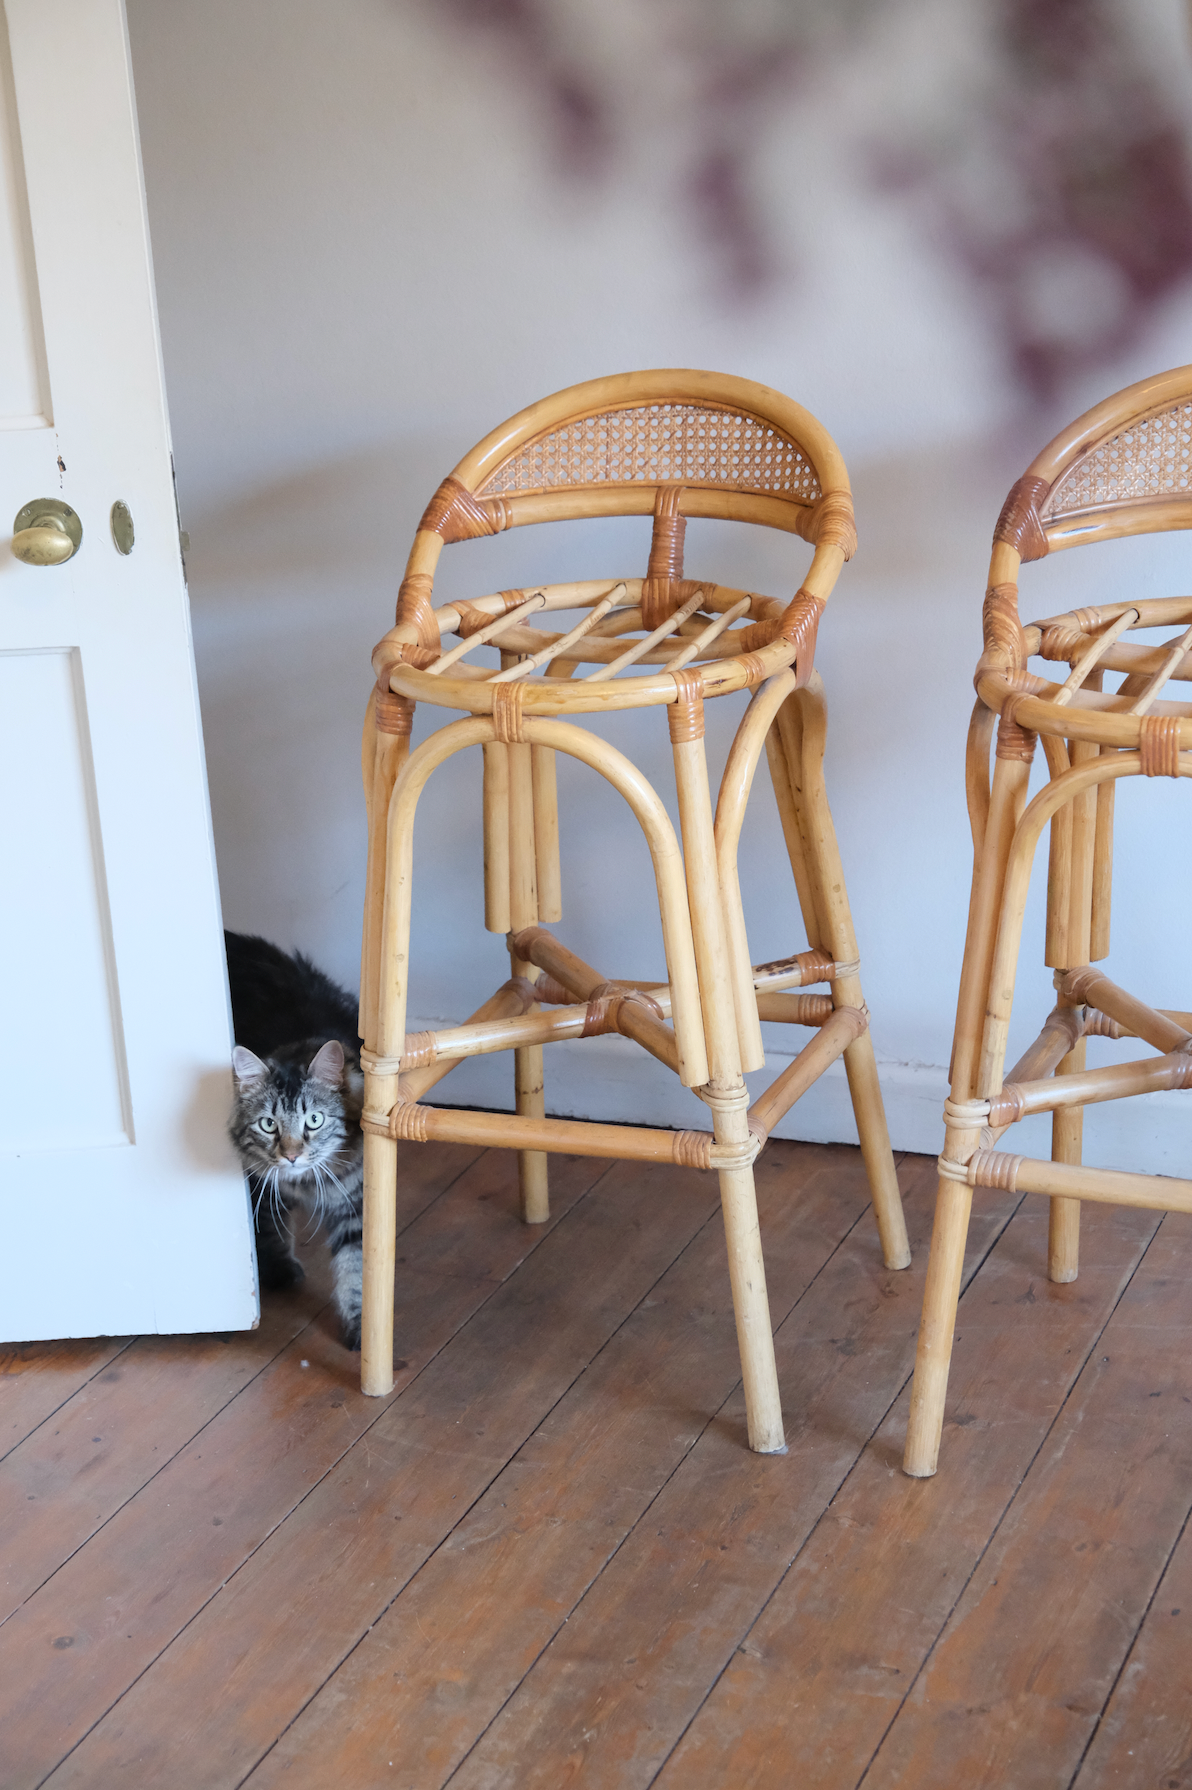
(725, 1092)
(1067, 1125)
(945, 1264)
(1067, 1139)
(816, 839)
(380, 1244)
(393, 718)
(747, 1277)
(933, 1358)
(528, 1077)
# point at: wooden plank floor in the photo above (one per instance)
(548, 1558)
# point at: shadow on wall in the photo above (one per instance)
(290, 589)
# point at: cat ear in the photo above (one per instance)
(247, 1068)
(328, 1066)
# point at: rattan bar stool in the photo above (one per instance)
(670, 444)
(1124, 468)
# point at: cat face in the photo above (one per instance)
(289, 1120)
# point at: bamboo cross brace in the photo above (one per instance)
(1099, 1025)
(558, 648)
(778, 1009)
(798, 971)
(1172, 658)
(1063, 1180)
(1086, 1087)
(411, 1123)
(1127, 656)
(1093, 654)
(1092, 986)
(597, 1017)
(541, 948)
(483, 635)
(1061, 1029)
(831, 1041)
(645, 645)
(768, 978)
(709, 634)
(794, 1009)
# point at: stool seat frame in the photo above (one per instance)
(670, 444)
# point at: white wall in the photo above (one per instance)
(364, 260)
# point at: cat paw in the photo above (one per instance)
(275, 1277)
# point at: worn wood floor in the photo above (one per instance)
(548, 1557)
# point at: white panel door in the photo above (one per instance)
(121, 1205)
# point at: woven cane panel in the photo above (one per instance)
(684, 444)
(1152, 458)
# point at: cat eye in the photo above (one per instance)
(265, 1123)
(314, 1120)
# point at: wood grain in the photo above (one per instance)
(265, 1645)
(813, 1687)
(68, 1477)
(1145, 1734)
(169, 1549)
(549, 1558)
(1059, 1593)
(447, 1654)
(37, 1377)
(609, 1699)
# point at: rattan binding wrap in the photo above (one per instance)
(455, 515)
(415, 610)
(508, 700)
(832, 523)
(1019, 524)
(1001, 626)
(685, 716)
(1159, 745)
(663, 587)
(1014, 741)
(394, 714)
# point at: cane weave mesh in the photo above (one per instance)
(653, 444)
(1152, 458)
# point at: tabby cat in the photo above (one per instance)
(296, 1122)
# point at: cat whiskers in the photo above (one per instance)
(320, 1204)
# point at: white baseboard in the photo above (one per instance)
(609, 1078)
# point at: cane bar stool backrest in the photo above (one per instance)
(673, 444)
(1124, 468)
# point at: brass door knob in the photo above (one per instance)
(46, 532)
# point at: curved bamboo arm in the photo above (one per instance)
(392, 964)
(668, 875)
(1065, 789)
(368, 755)
(1006, 803)
(651, 816)
(976, 770)
(735, 786)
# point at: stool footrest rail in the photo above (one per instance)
(409, 1122)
